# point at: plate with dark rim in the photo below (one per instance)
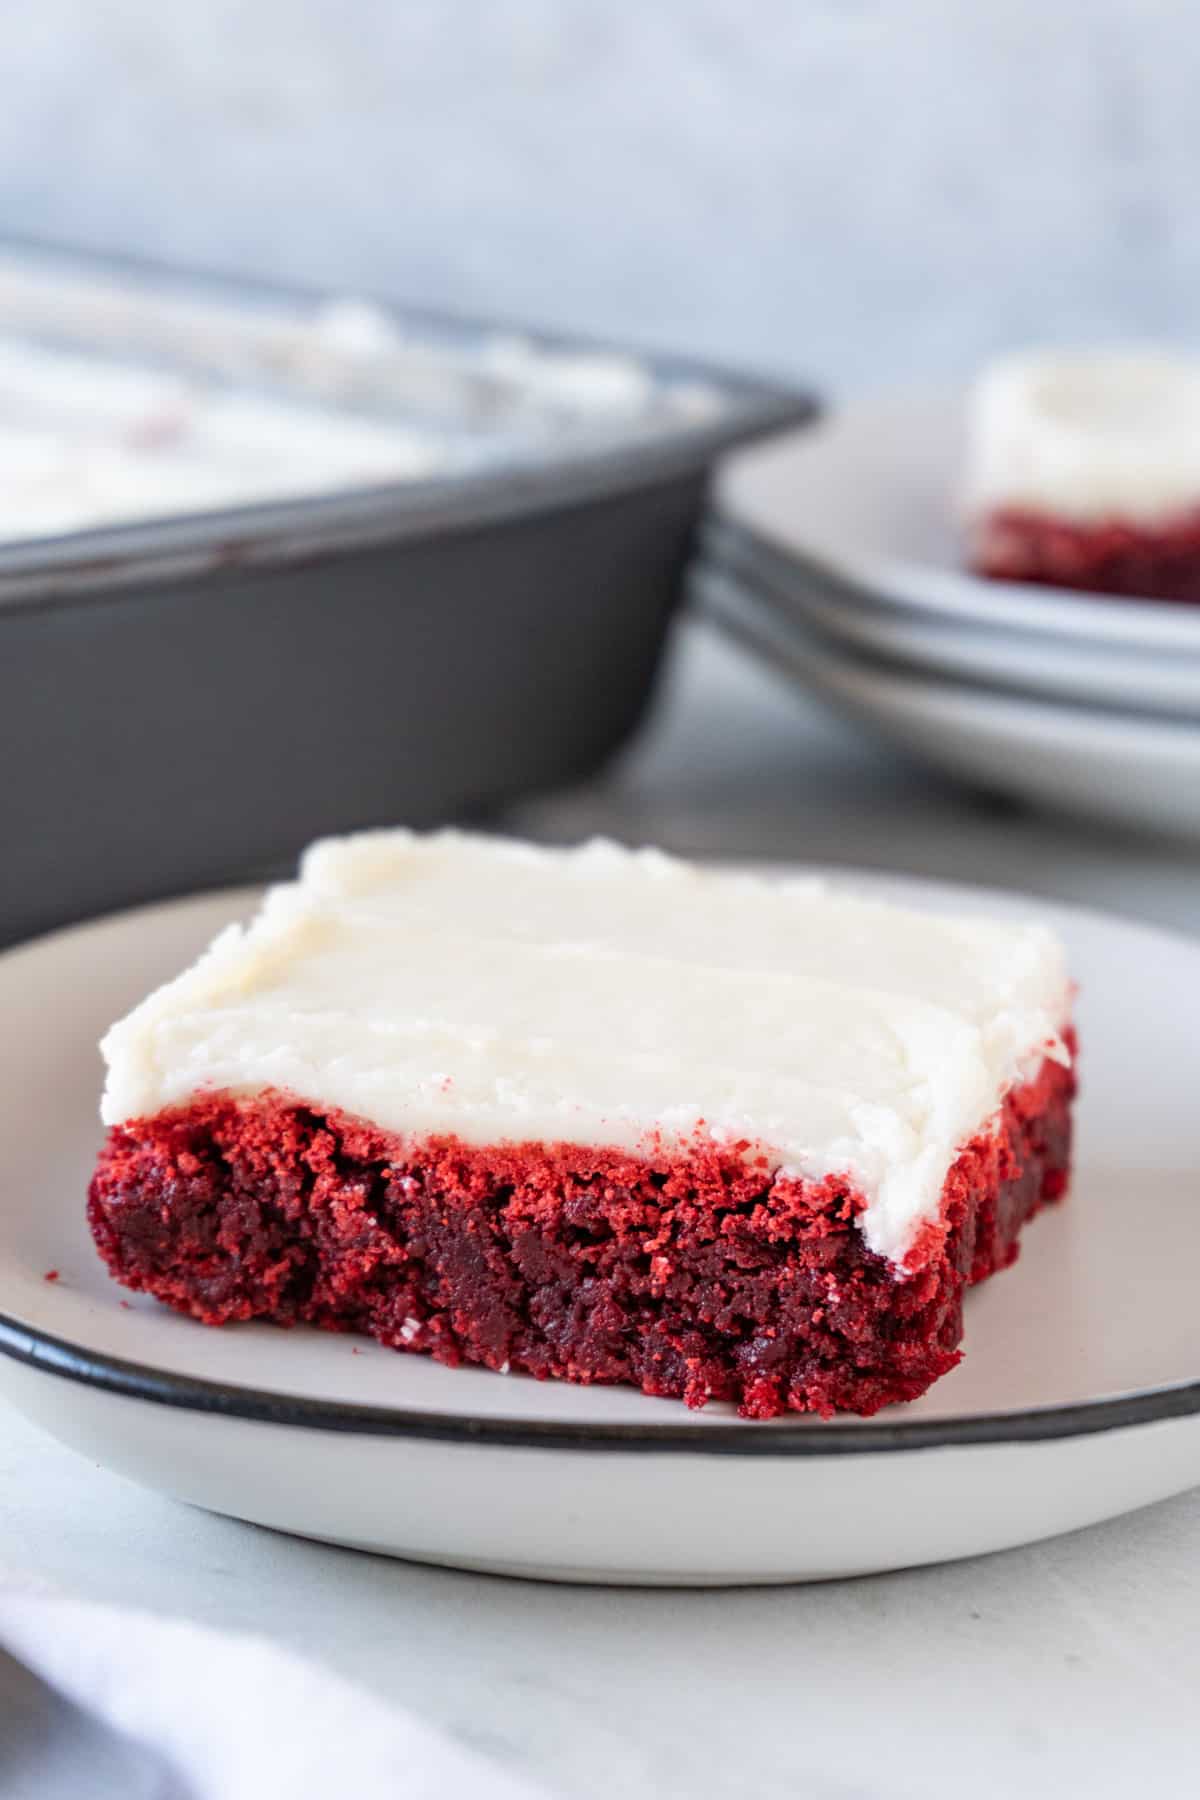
(1078, 1397)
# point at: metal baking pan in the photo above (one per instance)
(186, 699)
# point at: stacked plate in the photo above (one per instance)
(836, 552)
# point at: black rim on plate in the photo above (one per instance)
(139, 1381)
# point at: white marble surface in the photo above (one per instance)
(853, 190)
(1070, 1668)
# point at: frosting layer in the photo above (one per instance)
(1086, 437)
(454, 984)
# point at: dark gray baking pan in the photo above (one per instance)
(189, 699)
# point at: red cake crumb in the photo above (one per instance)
(50, 1275)
(1110, 557)
(695, 1274)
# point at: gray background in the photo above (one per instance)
(856, 189)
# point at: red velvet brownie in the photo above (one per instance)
(1083, 471)
(593, 1115)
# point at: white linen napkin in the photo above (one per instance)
(224, 1716)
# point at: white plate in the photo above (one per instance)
(1078, 1397)
(1098, 674)
(867, 497)
(1115, 767)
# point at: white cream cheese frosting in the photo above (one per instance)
(124, 402)
(1086, 436)
(606, 997)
